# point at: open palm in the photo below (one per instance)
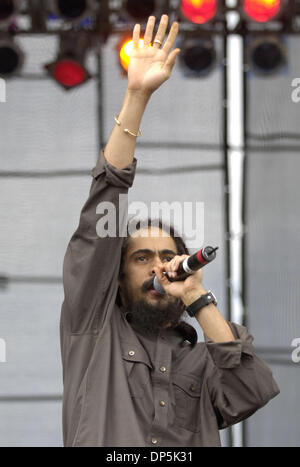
(149, 67)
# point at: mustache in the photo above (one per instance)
(148, 285)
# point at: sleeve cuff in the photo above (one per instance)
(122, 178)
(229, 354)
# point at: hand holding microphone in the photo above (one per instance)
(188, 266)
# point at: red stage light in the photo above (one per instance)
(69, 73)
(69, 69)
(262, 10)
(199, 11)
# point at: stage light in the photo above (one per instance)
(266, 55)
(72, 10)
(262, 11)
(8, 10)
(199, 11)
(198, 56)
(138, 10)
(69, 73)
(11, 58)
(124, 49)
(69, 70)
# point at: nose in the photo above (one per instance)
(156, 262)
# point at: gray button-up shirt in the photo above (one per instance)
(123, 388)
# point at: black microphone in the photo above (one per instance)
(189, 265)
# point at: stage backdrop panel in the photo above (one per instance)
(272, 248)
(51, 143)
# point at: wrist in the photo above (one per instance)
(193, 295)
(138, 94)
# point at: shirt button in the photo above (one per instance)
(131, 353)
(163, 369)
(154, 441)
(162, 403)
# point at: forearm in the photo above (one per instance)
(214, 326)
(119, 150)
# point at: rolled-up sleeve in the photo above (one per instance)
(240, 382)
(91, 263)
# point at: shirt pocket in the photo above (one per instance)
(187, 394)
(138, 368)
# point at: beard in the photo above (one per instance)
(149, 318)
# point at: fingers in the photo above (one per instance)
(149, 31)
(159, 273)
(162, 28)
(171, 60)
(172, 266)
(171, 57)
(136, 36)
(160, 34)
(162, 279)
(171, 38)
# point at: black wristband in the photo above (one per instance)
(201, 302)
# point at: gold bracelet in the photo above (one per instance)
(126, 129)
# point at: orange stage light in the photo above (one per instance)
(125, 51)
(262, 10)
(199, 11)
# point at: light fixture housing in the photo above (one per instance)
(139, 11)
(69, 70)
(11, 57)
(8, 11)
(73, 11)
(198, 56)
(266, 55)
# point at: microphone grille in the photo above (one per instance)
(157, 286)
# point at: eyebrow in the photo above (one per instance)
(151, 252)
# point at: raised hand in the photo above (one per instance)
(150, 67)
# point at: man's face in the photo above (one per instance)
(148, 248)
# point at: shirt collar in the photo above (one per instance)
(187, 332)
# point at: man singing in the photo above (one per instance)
(133, 371)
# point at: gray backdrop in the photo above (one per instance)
(273, 245)
(50, 143)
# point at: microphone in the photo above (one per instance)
(189, 266)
